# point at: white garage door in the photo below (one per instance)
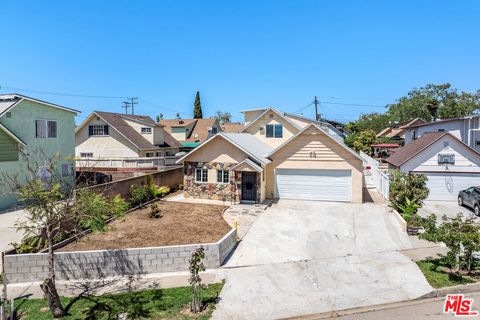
(445, 186)
(326, 185)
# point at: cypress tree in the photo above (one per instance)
(197, 107)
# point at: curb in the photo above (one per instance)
(464, 288)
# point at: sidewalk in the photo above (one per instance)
(8, 231)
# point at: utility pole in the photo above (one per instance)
(315, 101)
(133, 102)
(126, 105)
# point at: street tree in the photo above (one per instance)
(197, 107)
(223, 117)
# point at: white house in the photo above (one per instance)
(466, 129)
(113, 135)
(449, 164)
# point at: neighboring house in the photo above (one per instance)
(232, 127)
(33, 124)
(191, 132)
(274, 127)
(466, 129)
(449, 164)
(397, 131)
(114, 135)
(275, 156)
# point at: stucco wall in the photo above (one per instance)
(22, 124)
(288, 129)
(328, 154)
(217, 150)
(100, 264)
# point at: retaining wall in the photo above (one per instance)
(117, 262)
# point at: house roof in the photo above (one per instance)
(12, 135)
(233, 127)
(249, 163)
(9, 101)
(201, 129)
(315, 125)
(385, 145)
(282, 115)
(439, 121)
(243, 141)
(117, 121)
(399, 128)
(410, 150)
(169, 123)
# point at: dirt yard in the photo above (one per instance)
(181, 223)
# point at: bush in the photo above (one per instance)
(139, 195)
(407, 208)
(94, 209)
(163, 191)
(118, 206)
(405, 186)
(154, 212)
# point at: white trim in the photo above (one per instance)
(250, 110)
(264, 161)
(275, 111)
(11, 135)
(22, 97)
(195, 175)
(127, 117)
(250, 163)
(321, 130)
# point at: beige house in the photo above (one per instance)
(191, 132)
(277, 155)
(113, 135)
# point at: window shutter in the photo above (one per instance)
(52, 129)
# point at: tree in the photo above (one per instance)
(51, 204)
(159, 117)
(178, 116)
(372, 121)
(405, 187)
(197, 107)
(223, 117)
(364, 140)
(196, 266)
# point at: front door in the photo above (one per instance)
(249, 186)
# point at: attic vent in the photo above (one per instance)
(98, 118)
(271, 115)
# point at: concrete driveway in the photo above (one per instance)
(439, 208)
(8, 232)
(304, 257)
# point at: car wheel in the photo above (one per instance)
(476, 209)
(460, 201)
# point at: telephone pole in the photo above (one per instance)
(315, 101)
(130, 104)
(126, 105)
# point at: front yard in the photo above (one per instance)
(439, 276)
(153, 304)
(180, 223)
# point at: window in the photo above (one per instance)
(149, 154)
(446, 158)
(98, 130)
(274, 131)
(67, 170)
(441, 130)
(146, 130)
(414, 135)
(86, 154)
(169, 154)
(201, 175)
(158, 154)
(214, 130)
(45, 128)
(223, 176)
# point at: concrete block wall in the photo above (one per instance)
(100, 264)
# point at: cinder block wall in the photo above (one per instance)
(100, 264)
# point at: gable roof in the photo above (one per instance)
(439, 121)
(11, 100)
(398, 129)
(117, 122)
(12, 135)
(232, 127)
(282, 115)
(201, 129)
(243, 141)
(172, 123)
(410, 150)
(315, 125)
(249, 163)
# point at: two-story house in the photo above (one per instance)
(32, 124)
(113, 135)
(276, 155)
(191, 132)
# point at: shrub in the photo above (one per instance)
(154, 212)
(405, 186)
(94, 209)
(407, 208)
(118, 206)
(139, 195)
(152, 188)
(163, 191)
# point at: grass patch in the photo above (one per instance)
(434, 271)
(148, 304)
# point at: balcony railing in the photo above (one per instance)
(126, 162)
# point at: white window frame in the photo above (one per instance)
(146, 130)
(86, 154)
(227, 176)
(442, 157)
(47, 133)
(97, 126)
(203, 175)
(149, 154)
(273, 125)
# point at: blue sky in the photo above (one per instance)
(238, 54)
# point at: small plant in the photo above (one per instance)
(29, 244)
(152, 188)
(407, 208)
(163, 191)
(154, 212)
(118, 206)
(196, 266)
(138, 195)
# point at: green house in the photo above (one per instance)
(33, 124)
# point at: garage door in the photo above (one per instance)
(326, 185)
(445, 186)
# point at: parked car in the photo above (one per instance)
(471, 198)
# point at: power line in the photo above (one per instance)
(354, 104)
(62, 94)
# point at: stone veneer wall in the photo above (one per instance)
(100, 264)
(211, 190)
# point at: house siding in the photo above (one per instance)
(22, 124)
(8, 148)
(314, 150)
